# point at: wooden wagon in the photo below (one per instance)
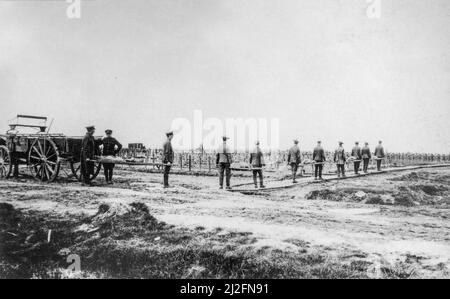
(43, 153)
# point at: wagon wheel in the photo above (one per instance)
(76, 170)
(44, 160)
(5, 162)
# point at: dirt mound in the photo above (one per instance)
(407, 195)
(443, 179)
(8, 215)
(413, 176)
(190, 186)
(122, 221)
(428, 177)
(324, 194)
(430, 189)
(348, 194)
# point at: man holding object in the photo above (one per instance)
(168, 157)
(379, 154)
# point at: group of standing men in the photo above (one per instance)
(359, 155)
(109, 147)
(294, 160)
(223, 162)
(340, 158)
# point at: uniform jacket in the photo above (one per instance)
(366, 153)
(339, 156)
(319, 154)
(257, 158)
(379, 152)
(168, 153)
(109, 146)
(294, 155)
(357, 152)
(223, 154)
(88, 147)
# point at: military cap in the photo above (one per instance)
(169, 133)
(90, 128)
(108, 131)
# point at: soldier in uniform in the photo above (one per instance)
(87, 154)
(366, 156)
(168, 157)
(294, 159)
(357, 154)
(379, 154)
(223, 162)
(319, 159)
(14, 156)
(340, 159)
(257, 161)
(111, 147)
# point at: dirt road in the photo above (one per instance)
(399, 223)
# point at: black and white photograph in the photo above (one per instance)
(224, 144)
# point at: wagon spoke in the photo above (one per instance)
(38, 170)
(51, 162)
(42, 172)
(54, 154)
(37, 152)
(49, 169)
(47, 175)
(40, 147)
(35, 164)
(49, 149)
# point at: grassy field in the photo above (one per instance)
(388, 226)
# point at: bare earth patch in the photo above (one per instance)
(390, 225)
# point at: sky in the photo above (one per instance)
(324, 68)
